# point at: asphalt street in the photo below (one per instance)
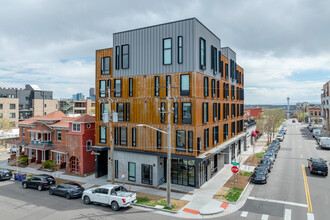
(285, 195)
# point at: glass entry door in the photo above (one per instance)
(146, 174)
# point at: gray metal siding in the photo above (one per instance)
(146, 45)
(211, 40)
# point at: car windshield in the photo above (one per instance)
(260, 172)
(264, 162)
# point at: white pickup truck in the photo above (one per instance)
(114, 195)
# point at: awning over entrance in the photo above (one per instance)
(220, 147)
(40, 147)
(19, 142)
(99, 148)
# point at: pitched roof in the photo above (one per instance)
(64, 123)
(27, 121)
(41, 128)
(85, 118)
(253, 112)
(54, 116)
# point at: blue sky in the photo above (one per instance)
(52, 43)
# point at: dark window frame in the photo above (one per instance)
(215, 112)
(123, 56)
(159, 140)
(184, 92)
(130, 177)
(190, 141)
(117, 57)
(116, 135)
(168, 81)
(186, 120)
(102, 93)
(218, 89)
(162, 112)
(213, 87)
(206, 138)
(134, 137)
(156, 86)
(180, 49)
(123, 142)
(206, 86)
(202, 59)
(103, 141)
(128, 111)
(205, 112)
(103, 61)
(165, 49)
(183, 147)
(117, 93)
(130, 87)
(121, 118)
(176, 112)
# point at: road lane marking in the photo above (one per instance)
(287, 214)
(310, 216)
(308, 196)
(264, 217)
(279, 201)
(244, 214)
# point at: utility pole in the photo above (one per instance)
(168, 179)
(111, 136)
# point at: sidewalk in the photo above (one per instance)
(201, 200)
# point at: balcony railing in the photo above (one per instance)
(48, 143)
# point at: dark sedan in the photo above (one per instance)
(275, 147)
(39, 182)
(259, 175)
(318, 166)
(272, 151)
(5, 174)
(266, 163)
(68, 190)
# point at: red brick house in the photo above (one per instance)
(252, 113)
(65, 140)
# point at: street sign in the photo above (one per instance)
(234, 169)
(235, 163)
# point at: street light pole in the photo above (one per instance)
(111, 137)
(168, 176)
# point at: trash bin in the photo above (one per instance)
(15, 176)
(23, 177)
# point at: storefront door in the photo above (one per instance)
(146, 174)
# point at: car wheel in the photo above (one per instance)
(87, 200)
(51, 192)
(40, 187)
(114, 206)
(24, 185)
(67, 196)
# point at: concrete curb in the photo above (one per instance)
(213, 213)
(238, 200)
(158, 209)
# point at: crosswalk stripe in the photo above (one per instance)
(244, 214)
(310, 216)
(264, 217)
(287, 214)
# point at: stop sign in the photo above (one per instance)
(234, 169)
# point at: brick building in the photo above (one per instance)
(66, 140)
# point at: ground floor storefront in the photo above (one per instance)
(146, 168)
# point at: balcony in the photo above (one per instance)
(40, 143)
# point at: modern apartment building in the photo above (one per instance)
(8, 112)
(75, 108)
(32, 100)
(207, 104)
(325, 106)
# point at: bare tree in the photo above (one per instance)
(5, 127)
(273, 118)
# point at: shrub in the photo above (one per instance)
(244, 173)
(23, 160)
(49, 164)
(259, 155)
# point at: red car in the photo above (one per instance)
(300, 121)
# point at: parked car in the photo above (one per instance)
(293, 121)
(266, 163)
(280, 137)
(300, 121)
(270, 156)
(114, 195)
(310, 128)
(259, 175)
(271, 150)
(276, 142)
(274, 146)
(282, 132)
(319, 138)
(5, 174)
(325, 143)
(316, 132)
(318, 166)
(39, 182)
(68, 190)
